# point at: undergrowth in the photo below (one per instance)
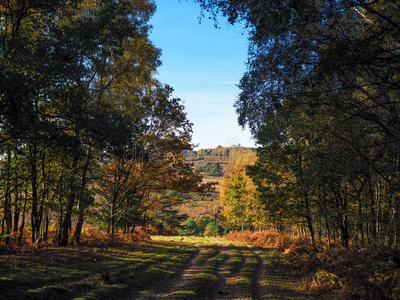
(90, 237)
(351, 273)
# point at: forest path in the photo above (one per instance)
(181, 278)
(172, 268)
(218, 270)
(222, 270)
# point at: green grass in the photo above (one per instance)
(246, 274)
(98, 273)
(206, 241)
(282, 280)
(130, 271)
(210, 253)
(235, 263)
(204, 285)
(216, 177)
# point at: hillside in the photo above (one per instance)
(213, 164)
(196, 206)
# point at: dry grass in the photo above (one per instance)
(353, 273)
(199, 206)
(90, 237)
(210, 179)
(94, 238)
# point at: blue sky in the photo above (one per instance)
(203, 65)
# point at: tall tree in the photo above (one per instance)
(77, 88)
(239, 197)
(336, 62)
(129, 185)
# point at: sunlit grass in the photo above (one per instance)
(196, 240)
(210, 253)
(103, 273)
(235, 263)
(119, 273)
(246, 274)
(282, 280)
(204, 285)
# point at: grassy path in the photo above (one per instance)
(166, 268)
(184, 276)
(89, 273)
(229, 287)
(243, 273)
(258, 278)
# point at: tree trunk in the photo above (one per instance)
(17, 207)
(78, 229)
(7, 202)
(66, 223)
(309, 219)
(43, 214)
(60, 200)
(360, 221)
(83, 201)
(35, 225)
(112, 212)
(22, 226)
(44, 230)
(373, 221)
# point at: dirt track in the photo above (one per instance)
(230, 285)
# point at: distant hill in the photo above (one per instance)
(222, 155)
(213, 164)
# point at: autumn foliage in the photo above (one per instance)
(90, 238)
(87, 132)
(352, 273)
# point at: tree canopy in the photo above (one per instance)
(82, 116)
(321, 95)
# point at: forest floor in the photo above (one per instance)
(165, 268)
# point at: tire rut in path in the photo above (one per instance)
(180, 278)
(258, 289)
(228, 287)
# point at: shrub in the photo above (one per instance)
(348, 273)
(212, 228)
(203, 226)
